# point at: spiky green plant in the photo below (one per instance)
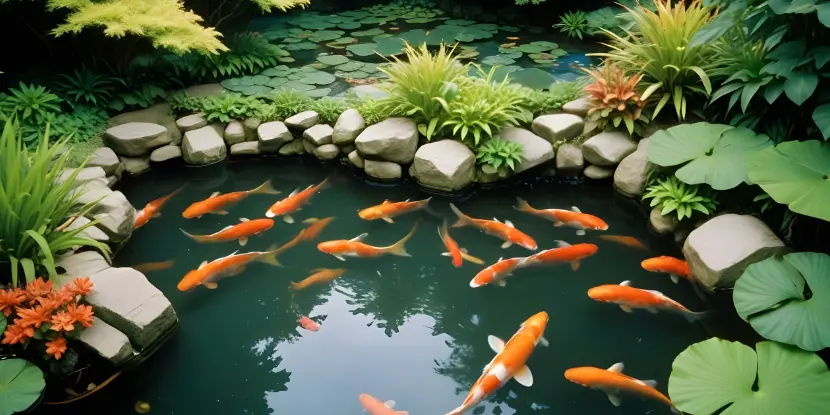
(328, 109)
(284, 104)
(372, 110)
(573, 24)
(497, 152)
(672, 195)
(29, 103)
(84, 86)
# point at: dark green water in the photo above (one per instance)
(406, 329)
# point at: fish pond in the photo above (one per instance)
(408, 329)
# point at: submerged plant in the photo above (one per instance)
(328, 109)
(497, 152)
(614, 99)
(573, 24)
(671, 195)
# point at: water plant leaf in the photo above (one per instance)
(716, 373)
(532, 78)
(349, 66)
(332, 59)
(349, 25)
(362, 49)
(317, 78)
(497, 60)
(821, 116)
(318, 93)
(326, 35)
(390, 46)
(371, 32)
(459, 22)
(21, 383)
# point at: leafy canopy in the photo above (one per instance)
(21, 384)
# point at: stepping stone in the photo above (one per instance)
(136, 138)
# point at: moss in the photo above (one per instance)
(82, 150)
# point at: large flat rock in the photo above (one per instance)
(445, 165)
(383, 170)
(394, 139)
(136, 138)
(555, 127)
(608, 148)
(107, 342)
(535, 150)
(319, 134)
(168, 152)
(191, 122)
(91, 232)
(245, 148)
(578, 107)
(136, 165)
(348, 126)
(303, 120)
(106, 159)
(157, 114)
(83, 264)
(630, 176)
(203, 146)
(272, 135)
(84, 176)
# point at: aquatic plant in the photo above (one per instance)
(284, 104)
(29, 103)
(85, 87)
(714, 154)
(614, 99)
(671, 195)
(716, 374)
(226, 107)
(21, 384)
(497, 152)
(247, 53)
(328, 109)
(573, 24)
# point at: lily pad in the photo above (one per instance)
(715, 373)
(280, 70)
(295, 85)
(318, 93)
(255, 90)
(285, 59)
(301, 46)
(231, 84)
(316, 24)
(497, 60)
(246, 81)
(390, 46)
(260, 79)
(362, 49)
(326, 35)
(415, 37)
(532, 78)
(371, 32)
(349, 25)
(374, 20)
(318, 78)
(276, 82)
(381, 36)
(332, 59)
(349, 66)
(459, 22)
(419, 20)
(465, 37)
(531, 48)
(345, 41)
(291, 40)
(358, 75)
(21, 384)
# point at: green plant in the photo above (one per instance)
(328, 109)
(773, 379)
(574, 24)
(497, 152)
(770, 295)
(21, 384)
(181, 103)
(602, 19)
(714, 154)
(538, 102)
(614, 99)
(248, 53)
(284, 104)
(29, 103)
(37, 198)
(671, 195)
(372, 110)
(142, 82)
(226, 107)
(84, 86)
(80, 125)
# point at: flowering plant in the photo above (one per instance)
(45, 316)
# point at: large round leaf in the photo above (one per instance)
(770, 296)
(532, 78)
(716, 373)
(20, 385)
(795, 173)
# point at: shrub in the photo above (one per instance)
(614, 99)
(85, 87)
(328, 109)
(182, 103)
(226, 107)
(284, 104)
(574, 24)
(248, 53)
(671, 195)
(497, 152)
(372, 110)
(142, 82)
(29, 103)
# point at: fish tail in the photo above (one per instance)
(399, 247)
(322, 184)
(463, 220)
(197, 238)
(174, 193)
(457, 411)
(294, 286)
(270, 257)
(265, 189)
(469, 258)
(522, 205)
(443, 231)
(697, 316)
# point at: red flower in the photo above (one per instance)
(56, 347)
(38, 288)
(82, 313)
(33, 316)
(10, 299)
(63, 321)
(17, 334)
(82, 286)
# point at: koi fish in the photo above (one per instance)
(458, 254)
(317, 225)
(628, 298)
(497, 272)
(241, 231)
(234, 264)
(152, 209)
(628, 241)
(319, 276)
(153, 266)
(388, 210)
(509, 361)
(294, 202)
(506, 231)
(308, 324)
(218, 203)
(356, 248)
(376, 407)
(564, 253)
(676, 268)
(573, 218)
(612, 381)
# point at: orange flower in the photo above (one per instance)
(38, 288)
(82, 286)
(33, 316)
(56, 347)
(17, 334)
(82, 313)
(9, 299)
(63, 321)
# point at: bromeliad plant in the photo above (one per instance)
(497, 152)
(573, 24)
(614, 99)
(671, 195)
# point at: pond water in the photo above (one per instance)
(408, 329)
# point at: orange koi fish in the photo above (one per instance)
(564, 253)
(232, 232)
(355, 248)
(628, 241)
(498, 272)
(458, 254)
(612, 381)
(628, 298)
(506, 231)
(153, 266)
(509, 361)
(388, 210)
(308, 324)
(293, 202)
(376, 407)
(234, 264)
(676, 268)
(217, 203)
(319, 276)
(152, 209)
(317, 225)
(560, 217)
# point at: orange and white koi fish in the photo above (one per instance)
(233, 232)
(676, 268)
(218, 203)
(319, 276)
(209, 273)
(308, 324)
(153, 266)
(506, 231)
(628, 241)
(317, 225)
(560, 217)
(509, 361)
(152, 209)
(457, 254)
(497, 272)
(388, 210)
(355, 248)
(612, 381)
(376, 407)
(564, 253)
(628, 298)
(294, 202)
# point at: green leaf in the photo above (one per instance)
(684, 142)
(823, 11)
(821, 116)
(773, 91)
(748, 92)
(21, 384)
(800, 85)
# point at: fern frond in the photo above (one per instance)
(267, 5)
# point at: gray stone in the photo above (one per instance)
(370, 91)
(204, 90)
(348, 126)
(135, 165)
(308, 146)
(662, 224)
(383, 170)
(630, 176)
(293, 148)
(608, 148)
(251, 125)
(719, 251)
(91, 232)
(557, 127)
(598, 172)
(112, 180)
(83, 264)
(126, 300)
(303, 120)
(446, 165)
(535, 149)
(327, 152)
(578, 107)
(356, 160)
(203, 146)
(394, 139)
(234, 132)
(116, 217)
(84, 176)
(157, 114)
(348, 149)
(191, 122)
(136, 138)
(569, 157)
(104, 158)
(272, 135)
(245, 148)
(319, 134)
(590, 126)
(107, 341)
(165, 153)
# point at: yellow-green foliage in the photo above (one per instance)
(267, 5)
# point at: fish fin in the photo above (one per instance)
(558, 224)
(401, 413)
(501, 282)
(359, 238)
(495, 219)
(626, 308)
(469, 258)
(575, 209)
(495, 343)
(463, 250)
(652, 311)
(387, 219)
(197, 238)
(523, 376)
(617, 367)
(270, 258)
(389, 404)
(510, 224)
(562, 244)
(265, 189)
(522, 205)
(675, 410)
(294, 192)
(506, 245)
(500, 259)
(269, 214)
(463, 220)
(674, 278)
(652, 383)
(399, 248)
(243, 241)
(311, 220)
(294, 286)
(243, 220)
(543, 341)
(614, 398)
(157, 214)
(220, 212)
(210, 285)
(288, 219)
(386, 201)
(202, 265)
(626, 283)
(692, 316)
(575, 265)
(340, 257)
(446, 254)
(580, 232)
(212, 195)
